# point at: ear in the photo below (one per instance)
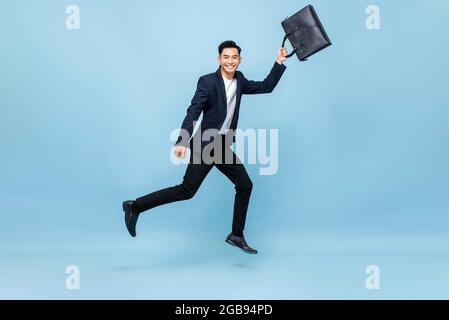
(218, 59)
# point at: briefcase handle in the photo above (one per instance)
(295, 48)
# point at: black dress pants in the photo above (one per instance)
(194, 176)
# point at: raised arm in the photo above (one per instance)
(270, 82)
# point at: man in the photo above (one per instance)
(218, 97)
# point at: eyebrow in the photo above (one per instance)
(226, 55)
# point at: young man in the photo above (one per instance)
(218, 97)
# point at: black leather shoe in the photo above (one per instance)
(130, 217)
(241, 243)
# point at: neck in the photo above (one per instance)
(227, 75)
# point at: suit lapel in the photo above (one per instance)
(239, 92)
(221, 88)
(237, 103)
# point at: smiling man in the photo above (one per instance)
(218, 97)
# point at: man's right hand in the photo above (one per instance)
(180, 152)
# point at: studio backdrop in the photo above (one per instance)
(350, 200)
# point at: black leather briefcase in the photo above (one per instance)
(305, 33)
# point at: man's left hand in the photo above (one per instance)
(282, 55)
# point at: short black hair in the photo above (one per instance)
(228, 44)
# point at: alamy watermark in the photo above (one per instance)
(372, 282)
(72, 20)
(372, 22)
(253, 146)
(72, 282)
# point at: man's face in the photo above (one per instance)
(229, 59)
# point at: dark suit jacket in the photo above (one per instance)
(210, 98)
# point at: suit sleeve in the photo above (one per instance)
(193, 112)
(268, 84)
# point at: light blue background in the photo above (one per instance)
(363, 152)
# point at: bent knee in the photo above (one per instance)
(246, 186)
(188, 193)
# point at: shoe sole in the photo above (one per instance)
(234, 245)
